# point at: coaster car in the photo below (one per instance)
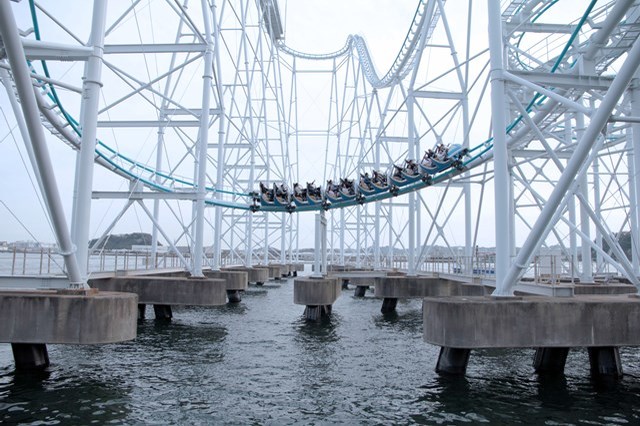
(442, 158)
(314, 194)
(406, 174)
(300, 195)
(332, 192)
(278, 196)
(347, 189)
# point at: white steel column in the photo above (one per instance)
(598, 121)
(501, 172)
(203, 141)
(586, 270)
(596, 197)
(633, 200)
(320, 255)
(21, 76)
(91, 85)
(585, 249)
(342, 226)
(571, 203)
(283, 236)
(217, 231)
(358, 236)
(634, 197)
(411, 255)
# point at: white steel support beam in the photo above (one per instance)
(411, 252)
(18, 62)
(635, 195)
(598, 121)
(586, 268)
(501, 172)
(203, 140)
(91, 86)
(597, 198)
(22, 126)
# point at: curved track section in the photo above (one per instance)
(424, 22)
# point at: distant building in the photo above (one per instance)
(147, 249)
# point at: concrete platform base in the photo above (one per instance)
(255, 274)
(67, 317)
(275, 271)
(295, 268)
(453, 361)
(405, 287)
(553, 325)
(283, 270)
(235, 280)
(531, 321)
(315, 291)
(30, 356)
(155, 290)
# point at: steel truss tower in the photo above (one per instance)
(192, 104)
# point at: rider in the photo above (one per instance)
(441, 152)
(426, 160)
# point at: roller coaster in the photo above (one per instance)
(557, 63)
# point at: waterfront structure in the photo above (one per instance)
(562, 171)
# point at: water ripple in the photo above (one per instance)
(261, 362)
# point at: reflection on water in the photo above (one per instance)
(38, 398)
(261, 362)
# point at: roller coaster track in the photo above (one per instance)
(425, 20)
(424, 23)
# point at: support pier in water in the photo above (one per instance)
(257, 275)
(317, 294)
(552, 325)
(165, 291)
(32, 319)
(236, 283)
(394, 287)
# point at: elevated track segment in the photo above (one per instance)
(425, 21)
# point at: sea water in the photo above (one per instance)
(260, 362)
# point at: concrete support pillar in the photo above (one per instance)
(361, 290)
(550, 360)
(162, 312)
(453, 361)
(30, 356)
(389, 305)
(317, 312)
(142, 309)
(345, 284)
(605, 361)
(234, 296)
